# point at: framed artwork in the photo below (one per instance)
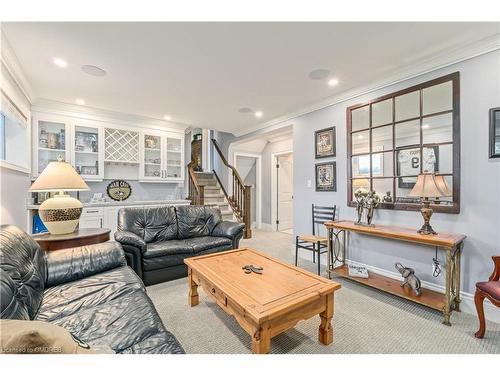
(495, 132)
(326, 176)
(324, 142)
(410, 162)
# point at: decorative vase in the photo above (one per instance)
(61, 213)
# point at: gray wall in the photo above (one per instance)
(480, 183)
(479, 218)
(140, 191)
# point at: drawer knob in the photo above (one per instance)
(213, 290)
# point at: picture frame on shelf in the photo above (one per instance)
(494, 132)
(325, 143)
(86, 142)
(326, 176)
(89, 170)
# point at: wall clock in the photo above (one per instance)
(119, 190)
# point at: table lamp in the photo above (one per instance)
(428, 186)
(61, 213)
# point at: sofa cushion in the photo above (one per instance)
(165, 261)
(66, 299)
(23, 274)
(197, 221)
(125, 324)
(150, 223)
(157, 249)
(199, 244)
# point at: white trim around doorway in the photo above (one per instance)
(274, 160)
(258, 183)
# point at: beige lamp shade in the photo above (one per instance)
(443, 186)
(426, 187)
(59, 176)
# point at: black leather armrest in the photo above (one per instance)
(78, 262)
(131, 239)
(231, 230)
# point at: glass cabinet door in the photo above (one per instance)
(152, 157)
(51, 140)
(86, 151)
(174, 158)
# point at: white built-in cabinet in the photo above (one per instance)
(98, 150)
(162, 157)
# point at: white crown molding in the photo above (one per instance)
(13, 67)
(103, 115)
(442, 60)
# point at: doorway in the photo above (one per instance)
(283, 192)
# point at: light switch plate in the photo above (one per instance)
(309, 183)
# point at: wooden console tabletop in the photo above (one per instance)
(451, 243)
(449, 240)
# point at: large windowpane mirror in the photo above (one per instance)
(393, 139)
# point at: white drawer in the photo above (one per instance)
(93, 211)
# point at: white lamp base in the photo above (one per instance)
(61, 214)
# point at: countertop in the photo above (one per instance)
(124, 203)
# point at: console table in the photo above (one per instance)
(452, 244)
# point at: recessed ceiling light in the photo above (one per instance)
(167, 117)
(258, 114)
(360, 136)
(319, 74)
(60, 62)
(333, 82)
(245, 110)
(426, 126)
(80, 101)
(93, 70)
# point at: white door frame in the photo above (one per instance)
(274, 192)
(258, 183)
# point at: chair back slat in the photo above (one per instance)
(322, 214)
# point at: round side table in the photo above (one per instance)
(80, 237)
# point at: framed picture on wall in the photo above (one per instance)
(324, 142)
(495, 132)
(410, 163)
(326, 176)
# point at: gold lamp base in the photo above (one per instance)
(426, 212)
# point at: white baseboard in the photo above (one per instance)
(267, 227)
(467, 299)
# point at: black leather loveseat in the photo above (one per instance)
(157, 239)
(88, 290)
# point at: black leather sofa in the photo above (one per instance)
(88, 290)
(156, 240)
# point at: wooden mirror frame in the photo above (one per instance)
(455, 111)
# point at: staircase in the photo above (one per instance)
(206, 188)
(214, 194)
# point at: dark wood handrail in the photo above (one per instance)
(240, 200)
(196, 191)
(224, 160)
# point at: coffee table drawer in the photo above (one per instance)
(214, 291)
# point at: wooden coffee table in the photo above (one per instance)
(266, 304)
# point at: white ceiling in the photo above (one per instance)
(202, 73)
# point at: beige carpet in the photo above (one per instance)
(365, 320)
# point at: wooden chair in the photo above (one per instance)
(317, 244)
(487, 289)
